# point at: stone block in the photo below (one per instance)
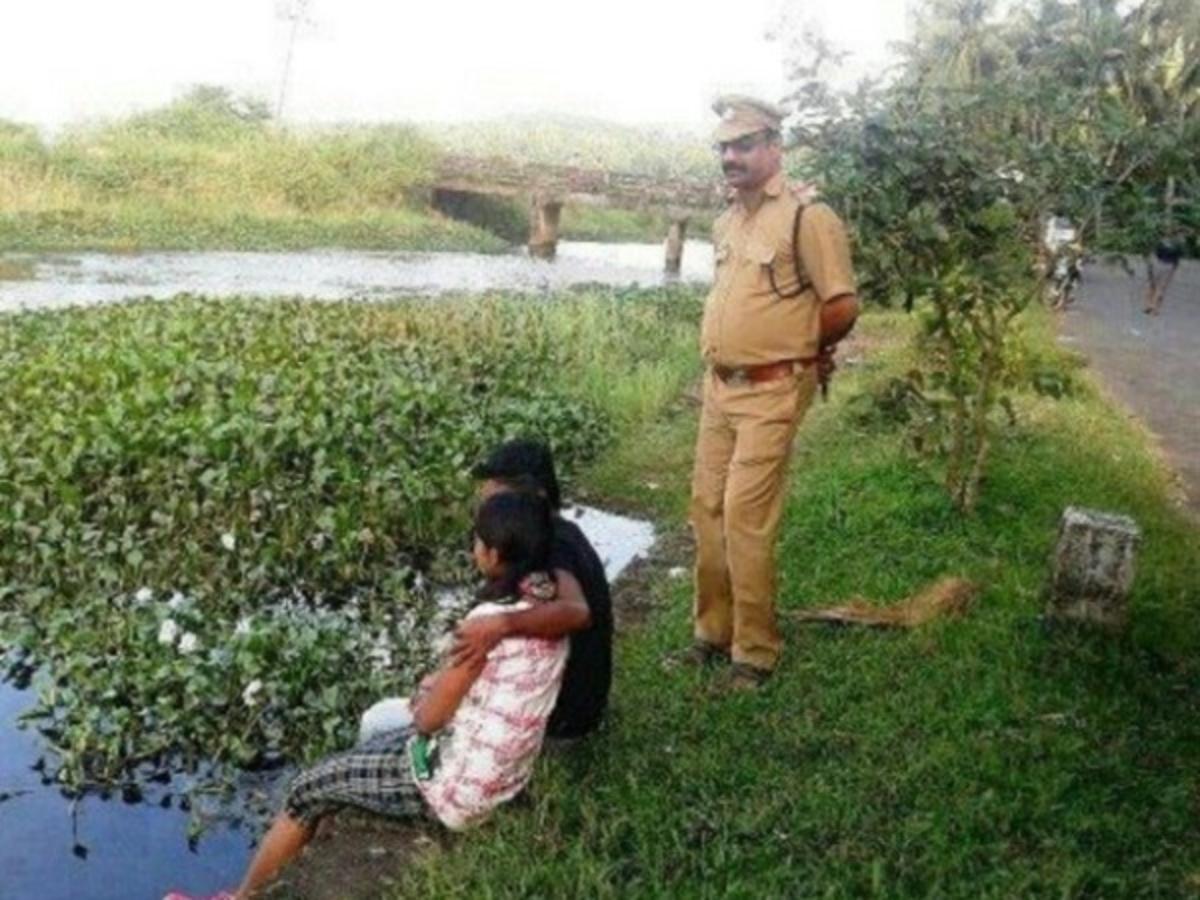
(1093, 567)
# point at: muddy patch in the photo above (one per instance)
(356, 856)
(648, 583)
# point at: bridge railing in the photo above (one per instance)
(494, 175)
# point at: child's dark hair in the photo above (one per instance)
(518, 526)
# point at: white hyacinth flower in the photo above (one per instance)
(189, 643)
(442, 645)
(380, 653)
(177, 600)
(250, 694)
(145, 595)
(243, 627)
(168, 632)
(228, 541)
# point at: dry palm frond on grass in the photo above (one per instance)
(948, 596)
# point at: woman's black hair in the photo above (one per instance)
(518, 526)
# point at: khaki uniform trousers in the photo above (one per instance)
(738, 488)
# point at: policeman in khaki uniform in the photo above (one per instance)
(770, 322)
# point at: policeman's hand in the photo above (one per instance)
(475, 637)
(826, 364)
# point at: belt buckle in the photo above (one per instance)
(738, 377)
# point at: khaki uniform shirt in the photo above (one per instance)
(745, 322)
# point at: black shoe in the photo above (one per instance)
(744, 677)
(698, 656)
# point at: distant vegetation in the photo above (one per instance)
(210, 170)
(578, 141)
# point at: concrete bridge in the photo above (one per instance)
(549, 186)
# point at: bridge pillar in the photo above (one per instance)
(675, 235)
(543, 233)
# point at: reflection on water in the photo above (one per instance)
(66, 279)
(53, 849)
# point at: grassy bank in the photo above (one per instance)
(210, 171)
(139, 225)
(598, 223)
(207, 172)
(981, 757)
(197, 497)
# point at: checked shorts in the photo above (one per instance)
(375, 776)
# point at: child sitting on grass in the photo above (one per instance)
(477, 727)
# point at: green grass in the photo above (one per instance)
(986, 757)
(204, 173)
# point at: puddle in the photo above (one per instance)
(57, 280)
(55, 849)
(618, 540)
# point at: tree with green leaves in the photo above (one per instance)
(999, 117)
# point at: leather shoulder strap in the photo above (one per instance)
(801, 284)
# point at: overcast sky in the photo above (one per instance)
(635, 61)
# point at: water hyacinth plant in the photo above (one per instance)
(219, 520)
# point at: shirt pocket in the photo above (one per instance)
(760, 257)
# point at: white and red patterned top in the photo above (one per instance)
(486, 753)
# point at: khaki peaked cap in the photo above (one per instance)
(742, 115)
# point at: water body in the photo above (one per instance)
(97, 849)
(88, 278)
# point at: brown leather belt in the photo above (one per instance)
(759, 374)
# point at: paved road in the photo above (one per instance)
(1149, 363)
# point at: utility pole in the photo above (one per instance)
(295, 12)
